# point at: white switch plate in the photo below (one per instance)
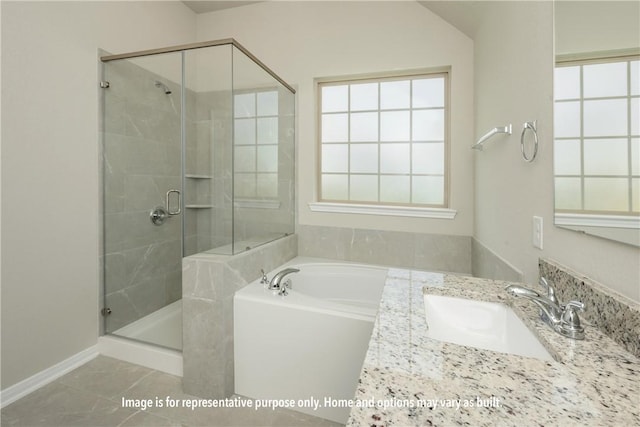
(537, 232)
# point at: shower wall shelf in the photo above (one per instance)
(197, 176)
(502, 129)
(199, 206)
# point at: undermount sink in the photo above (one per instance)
(480, 324)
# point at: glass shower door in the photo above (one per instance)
(143, 207)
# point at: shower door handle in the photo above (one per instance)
(169, 211)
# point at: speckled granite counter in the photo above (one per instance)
(424, 382)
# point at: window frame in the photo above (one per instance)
(381, 207)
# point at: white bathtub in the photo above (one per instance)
(310, 343)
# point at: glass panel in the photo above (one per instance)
(364, 96)
(256, 222)
(395, 189)
(267, 185)
(364, 158)
(335, 128)
(566, 157)
(607, 117)
(335, 98)
(568, 194)
(268, 158)
(635, 156)
(635, 77)
(394, 95)
(606, 157)
(602, 80)
(635, 195)
(606, 194)
(428, 190)
(364, 127)
(244, 105)
(245, 185)
(394, 126)
(267, 130)
(428, 125)
(566, 82)
(335, 158)
(428, 93)
(244, 159)
(395, 158)
(566, 119)
(211, 107)
(267, 103)
(335, 187)
(428, 158)
(141, 150)
(635, 116)
(364, 188)
(244, 131)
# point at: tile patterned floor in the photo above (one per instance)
(91, 396)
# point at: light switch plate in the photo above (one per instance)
(537, 232)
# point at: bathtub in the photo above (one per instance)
(310, 343)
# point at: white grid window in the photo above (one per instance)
(255, 157)
(384, 140)
(597, 136)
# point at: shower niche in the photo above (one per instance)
(198, 156)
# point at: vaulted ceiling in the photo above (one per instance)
(464, 15)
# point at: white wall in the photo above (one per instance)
(301, 41)
(513, 83)
(50, 215)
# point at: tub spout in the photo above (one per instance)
(277, 278)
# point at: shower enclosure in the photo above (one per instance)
(198, 156)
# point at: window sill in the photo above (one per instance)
(587, 220)
(405, 211)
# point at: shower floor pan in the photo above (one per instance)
(163, 327)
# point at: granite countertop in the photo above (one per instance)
(425, 382)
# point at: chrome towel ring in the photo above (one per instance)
(532, 126)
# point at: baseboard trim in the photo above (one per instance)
(42, 378)
(158, 358)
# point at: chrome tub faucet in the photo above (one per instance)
(562, 318)
(276, 282)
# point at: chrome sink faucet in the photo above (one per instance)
(276, 282)
(561, 318)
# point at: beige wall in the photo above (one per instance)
(591, 26)
(304, 40)
(50, 212)
(513, 82)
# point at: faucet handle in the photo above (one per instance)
(551, 292)
(574, 305)
(570, 322)
(264, 279)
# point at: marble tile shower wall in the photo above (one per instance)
(433, 252)
(207, 171)
(142, 159)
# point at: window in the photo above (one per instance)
(255, 160)
(597, 136)
(383, 141)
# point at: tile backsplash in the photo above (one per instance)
(615, 315)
